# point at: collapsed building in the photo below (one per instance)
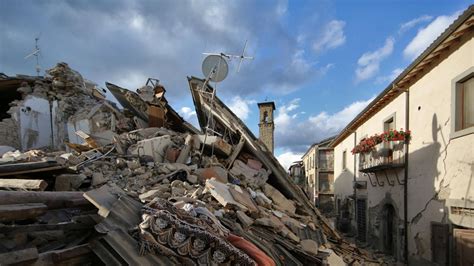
(84, 182)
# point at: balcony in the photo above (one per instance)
(384, 156)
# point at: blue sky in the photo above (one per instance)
(320, 61)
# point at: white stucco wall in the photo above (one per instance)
(438, 164)
(35, 123)
(440, 168)
(310, 170)
(343, 177)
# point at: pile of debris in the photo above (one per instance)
(150, 188)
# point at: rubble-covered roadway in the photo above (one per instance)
(145, 187)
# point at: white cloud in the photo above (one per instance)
(337, 121)
(137, 22)
(287, 158)
(427, 35)
(187, 112)
(283, 118)
(189, 115)
(131, 80)
(282, 7)
(299, 64)
(296, 135)
(412, 23)
(389, 78)
(240, 107)
(332, 36)
(369, 63)
(189, 28)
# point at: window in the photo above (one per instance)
(265, 117)
(462, 108)
(326, 182)
(326, 158)
(389, 124)
(344, 162)
(465, 104)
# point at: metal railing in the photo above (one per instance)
(384, 154)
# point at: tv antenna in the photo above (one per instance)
(36, 53)
(241, 57)
(215, 68)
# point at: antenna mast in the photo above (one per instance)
(36, 53)
(241, 57)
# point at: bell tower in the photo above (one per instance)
(266, 125)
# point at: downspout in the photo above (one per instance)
(51, 123)
(354, 185)
(405, 183)
(316, 176)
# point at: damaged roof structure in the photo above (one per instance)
(93, 184)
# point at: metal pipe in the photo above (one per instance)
(354, 185)
(405, 183)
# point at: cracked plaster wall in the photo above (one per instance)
(444, 165)
(440, 168)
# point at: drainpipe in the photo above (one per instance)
(51, 123)
(316, 176)
(354, 186)
(405, 183)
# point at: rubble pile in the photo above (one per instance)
(162, 193)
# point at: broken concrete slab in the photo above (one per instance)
(309, 246)
(217, 172)
(249, 176)
(279, 200)
(243, 197)
(68, 182)
(244, 219)
(221, 193)
(254, 164)
(154, 147)
(98, 179)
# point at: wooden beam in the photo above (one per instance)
(9, 229)
(28, 184)
(45, 169)
(26, 211)
(18, 256)
(54, 200)
(235, 152)
(461, 32)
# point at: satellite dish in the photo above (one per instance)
(215, 67)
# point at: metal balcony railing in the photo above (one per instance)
(386, 155)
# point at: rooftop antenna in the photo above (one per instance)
(36, 53)
(231, 56)
(215, 68)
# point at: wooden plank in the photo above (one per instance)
(104, 198)
(45, 169)
(235, 152)
(19, 256)
(26, 166)
(156, 116)
(21, 211)
(53, 199)
(9, 229)
(28, 184)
